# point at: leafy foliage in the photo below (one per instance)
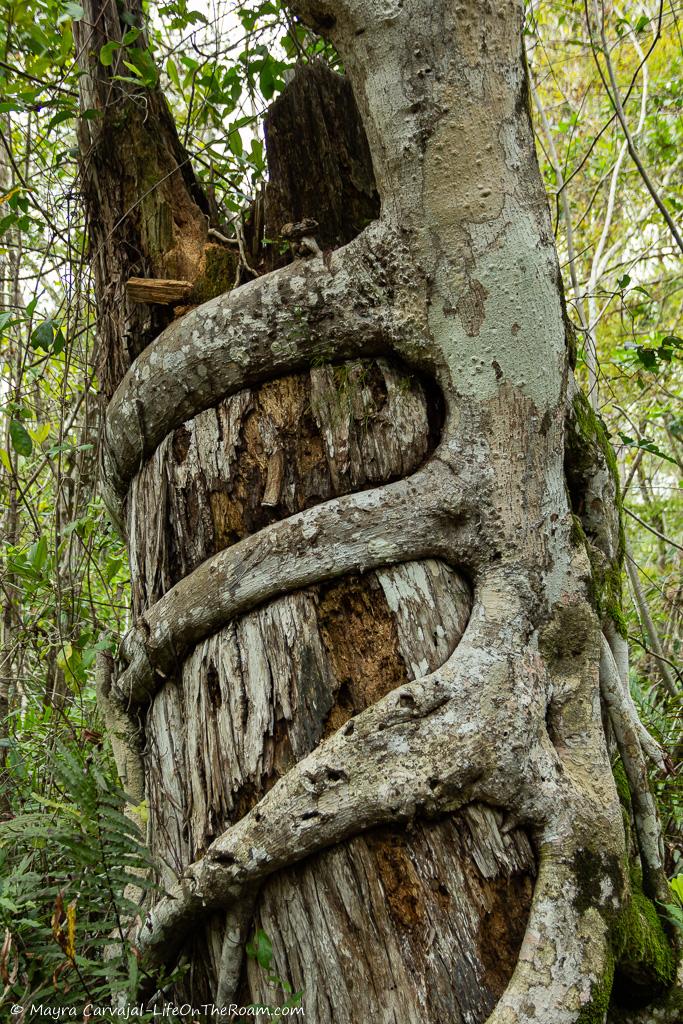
(66, 858)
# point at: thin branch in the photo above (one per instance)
(615, 99)
(662, 536)
(648, 623)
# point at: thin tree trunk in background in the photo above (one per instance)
(9, 300)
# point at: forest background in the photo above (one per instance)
(608, 117)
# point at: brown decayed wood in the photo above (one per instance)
(318, 159)
(337, 429)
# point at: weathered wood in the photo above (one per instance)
(335, 430)
(157, 290)
(319, 164)
(420, 925)
(147, 215)
(416, 909)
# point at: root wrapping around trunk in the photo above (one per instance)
(332, 307)
(411, 519)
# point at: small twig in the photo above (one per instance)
(662, 536)
(660, 657)
(244, 262)
(213, 233)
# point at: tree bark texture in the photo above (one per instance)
(147, 215)
(376, 557)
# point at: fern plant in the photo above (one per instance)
(65, 862)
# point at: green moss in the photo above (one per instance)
(644, 959)
(621, 782)
(606, 588)
(644, 956)
(217, 275)
(588, 445)
(594, 1012)
(593, 431)
(641, 964)
(578, 534)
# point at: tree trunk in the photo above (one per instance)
(147, 215)
(375, 543)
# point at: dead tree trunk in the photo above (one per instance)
(147, 215)
(376, 557)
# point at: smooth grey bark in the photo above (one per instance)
(458, 280)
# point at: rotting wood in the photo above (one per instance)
(157, 290)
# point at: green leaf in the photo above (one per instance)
(267, 81)
(235, 141)
(59, 342)
(63, 115)
(260, 949)
(141, 63)
(647, 446)
(107, 53)
(43, 335)
(131, 67)
(20, 438)
(172, 72)
(74, 11)
(675, 914)
(7, 222)
(647, 357)
(38, 554)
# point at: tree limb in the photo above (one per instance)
(410, 519)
